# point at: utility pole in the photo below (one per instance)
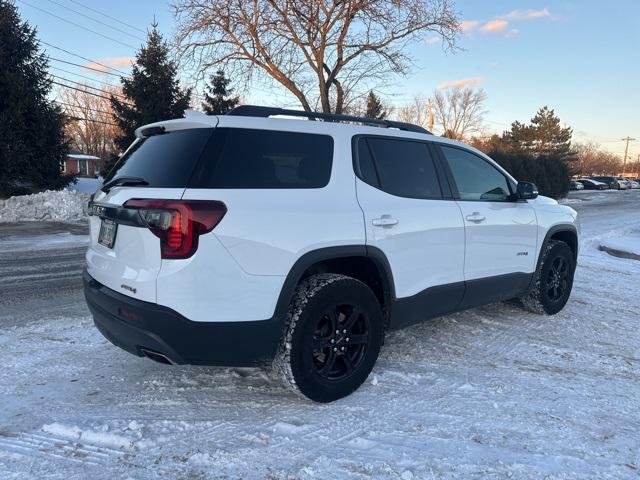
(626, 150)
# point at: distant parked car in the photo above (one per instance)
(576, 186)
(612, 182)
(624, 183)
(590, 184)
(633, 183)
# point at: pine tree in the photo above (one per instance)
(32, 141)
(152, 92)
(544, 136)
(550, 138)
(375, 109)
(218, 99)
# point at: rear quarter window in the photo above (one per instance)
(265, 159)
(165, 160)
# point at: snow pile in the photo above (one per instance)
(63, 205)
(626, 247)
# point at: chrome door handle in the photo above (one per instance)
(384, 221)
(475, 217)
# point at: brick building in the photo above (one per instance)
(81, 164)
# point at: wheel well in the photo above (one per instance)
(361, 268)
(568, 237)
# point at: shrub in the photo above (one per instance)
(551, 175)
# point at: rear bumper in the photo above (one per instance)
(136, 326)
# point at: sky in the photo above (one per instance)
(579, 57)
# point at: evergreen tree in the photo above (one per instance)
(218, 99)
(375, 109)
(550, 139)
(544, 136)
(32, 141)
(152, 92)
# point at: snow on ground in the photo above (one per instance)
(490, 393)
(19, 243)
(61, 205)
(624, 245)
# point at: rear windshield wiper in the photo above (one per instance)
(122, 181)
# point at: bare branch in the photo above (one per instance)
(322, 51)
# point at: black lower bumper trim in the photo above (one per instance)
(136, 326)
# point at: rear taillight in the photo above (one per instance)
(178, 223)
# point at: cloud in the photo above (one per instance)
(461, 83)
(115, 62)
(495, 26)
(526, 14)
(432, 40)
(500, 23)
(468, 26)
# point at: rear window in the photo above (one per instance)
(250, 159)
(166, 160)
(400, 167)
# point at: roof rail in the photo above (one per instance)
(258, 111)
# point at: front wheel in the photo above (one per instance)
(553, 279)
(333, 337)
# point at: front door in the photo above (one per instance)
(500, 232)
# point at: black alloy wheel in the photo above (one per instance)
(340, 341)
(557, 279)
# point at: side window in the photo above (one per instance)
(400, 167)
(475, 178)
(367, 171)
(247, 158)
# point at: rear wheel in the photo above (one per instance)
(553, 280)
(333, 337)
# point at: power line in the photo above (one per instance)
(77, 25)
(108, 16)
(79, 107)
(90, 120)
(89, 86)
(74, 73)
(84, 91)
(95, 20)
(83, 66)
(85, 58)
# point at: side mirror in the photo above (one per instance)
(526, 191)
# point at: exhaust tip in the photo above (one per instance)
(156, 356)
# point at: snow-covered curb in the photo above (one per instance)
(625, 247)
(63, 205)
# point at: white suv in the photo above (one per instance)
(242, 240)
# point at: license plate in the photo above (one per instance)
(107, 236)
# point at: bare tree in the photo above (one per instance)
(416, 112)
(592, 159)
(327, 53)
(90, 125)
(459, 111)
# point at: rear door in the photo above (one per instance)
(125, 257)
(500, 232)
(409, 216)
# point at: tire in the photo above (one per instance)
(332, 338)
(553, 280)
